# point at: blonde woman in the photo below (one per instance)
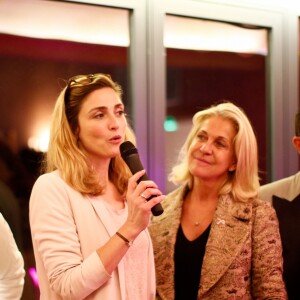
(216, 239)
(88, 215)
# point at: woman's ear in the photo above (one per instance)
(296, 142)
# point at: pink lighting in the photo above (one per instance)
(33, 274)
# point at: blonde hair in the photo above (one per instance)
(243, 182)
(64, 153)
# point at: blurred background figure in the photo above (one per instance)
(16, 183)
(12, 271)
(9, 204)
(18, 171)
(284, 194)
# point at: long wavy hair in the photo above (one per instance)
(243, 182)
(64, 153)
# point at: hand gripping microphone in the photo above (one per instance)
(130, 155)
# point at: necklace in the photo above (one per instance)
(197, 223)
(190, 210)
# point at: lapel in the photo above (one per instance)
(229, 230)
(102, 212)
(109, 224)
(164, 231)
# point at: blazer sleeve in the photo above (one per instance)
(55, 238)
(267, 261)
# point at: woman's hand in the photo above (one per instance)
(139, 209)
(139, 212)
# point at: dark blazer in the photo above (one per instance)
(284, 194)
(243, 256)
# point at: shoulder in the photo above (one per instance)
(49, 178)
(175, 196)
(51, 190)
(264, 217)
(258, 203)
(172, 202)
(172, 205)
(267, 191)
(6, 236)
(10, 256)
(262, 208)
(255, 209)
(50, 182)
(244, 210)
(4, 229)
(275, 184)
(286, 188)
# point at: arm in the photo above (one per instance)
(267, 261)
(56, 242)
(11, 265)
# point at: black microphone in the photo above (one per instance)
(130, 155)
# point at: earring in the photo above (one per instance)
(232, 168)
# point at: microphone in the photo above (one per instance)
(130, 155)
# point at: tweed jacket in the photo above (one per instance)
(243, 256)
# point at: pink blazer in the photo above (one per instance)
(66, 229)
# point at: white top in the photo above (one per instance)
(134, 261)
(11, 265)
(287, 188)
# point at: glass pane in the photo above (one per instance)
(208, 62)
(44, 42)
